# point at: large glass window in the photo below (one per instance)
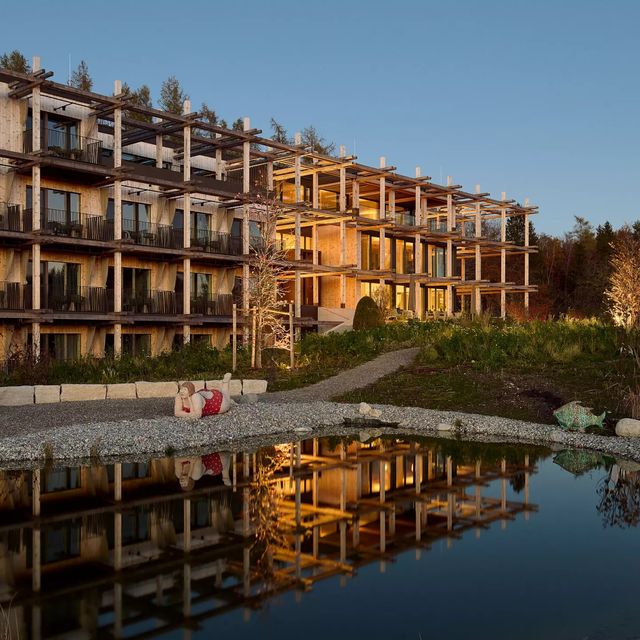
(60, 285)
(56, 207)
(438, 260)
(136, 217)
(61, 346)
(200, 285)
(136, 344)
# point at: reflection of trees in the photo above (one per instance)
(620, 498)
(264, 497)
(518, 482)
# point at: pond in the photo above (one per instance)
(387, 538)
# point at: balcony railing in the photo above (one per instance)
(212, 305)
(151, 301)
(151, 234)
(217, 242)
(10, 217)
(15, 296)
(64, 144)
(78, 299)
(406, 218)
(71, 224)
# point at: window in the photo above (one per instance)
(436, 299)
(136, 280)
(136, 217)
(61, 479)
(61, 541)
(438, 267)
(404, 256)
(61, 346)
(131, 470)
(201, 339)
(58, 134)
(60, 283)
(56, 207)
(200, 285)
(136, 344)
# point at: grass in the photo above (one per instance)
(511, 369)
(521, 371)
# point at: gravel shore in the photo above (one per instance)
(246, 426)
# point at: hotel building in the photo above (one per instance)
(127, 229)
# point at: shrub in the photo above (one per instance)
(367, 314)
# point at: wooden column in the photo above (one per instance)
(478, 256)
(503, 259)
(526, 258)
(117, 221)
(35, 207)
(246, 188)
(451, 225)
(186, 264)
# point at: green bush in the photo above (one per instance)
(367, 315)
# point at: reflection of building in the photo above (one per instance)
(121, 550)
(126, 228)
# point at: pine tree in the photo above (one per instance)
(209, 116)
(80, 78)
(279, 132)
(15, 61)
(238, 124)
(172, 96)
(313, 140)
(140, 97)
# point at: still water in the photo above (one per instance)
(387, 538)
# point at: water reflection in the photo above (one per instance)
(620, 495)
(139, 549)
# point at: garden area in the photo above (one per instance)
(520, 370)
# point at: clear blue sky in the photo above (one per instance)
(535, 98)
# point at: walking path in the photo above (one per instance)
(16, 421)
(356, 378)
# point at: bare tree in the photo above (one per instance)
(266, 265)
(623, 293)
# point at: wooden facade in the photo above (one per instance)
(126, 228)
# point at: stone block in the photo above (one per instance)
(628, 428)
(15, 396)
(254, 386)
(122, 391)
(156, 389)
(47, 393)
(79, 392)
(198, 384)
(235, 386)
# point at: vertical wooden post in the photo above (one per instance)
(292, 363)
(253, 338)
(234, 337)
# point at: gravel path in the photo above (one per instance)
(247, 425)
(18, 421)
(356, 378)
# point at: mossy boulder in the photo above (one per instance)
(367, 314)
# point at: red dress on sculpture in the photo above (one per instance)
(212, 405)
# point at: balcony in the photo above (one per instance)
(151, 301)
(11, 218)
(217, 242)
(151, 234)
(61, 143)
(71, 224)
(15, 296)
(407, 218)
(79, 299)
(212, 305)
